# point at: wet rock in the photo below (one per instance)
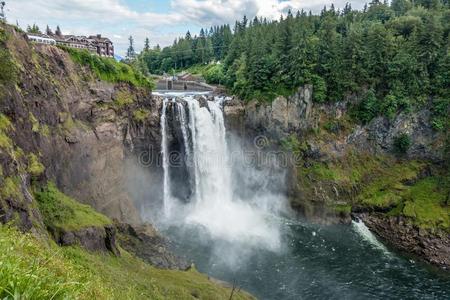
(145, 242)
(101, 239)
(431, 245)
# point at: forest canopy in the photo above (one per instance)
(394, 56)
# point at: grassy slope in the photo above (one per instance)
(108, 69)
(61, 211)
(32, 269)
(385, 183)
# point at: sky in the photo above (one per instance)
(161, 21)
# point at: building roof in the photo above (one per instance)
(40, 35)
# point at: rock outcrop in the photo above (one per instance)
(145, 242)
(76, 127)
(283, 116)
(428, 244)
(337, 166)
(102, 239)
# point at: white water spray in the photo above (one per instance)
(165, 155)
(368, 236)
(212, 205)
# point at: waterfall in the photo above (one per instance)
(199, 130)
(368, 236)
(165, 161)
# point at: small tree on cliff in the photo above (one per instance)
(147, 45)
(33, 29)
(48, 31)
(131, 54)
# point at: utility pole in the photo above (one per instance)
(2, 11)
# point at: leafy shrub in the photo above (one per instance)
(5, 126)
(319, 89)
(215, 75)
(440, 116)
(123, 98)
(368, 108)
(333, 126)
(10, 188)
(140, 115)
(109, 69)
(35, 168)
(402, 142)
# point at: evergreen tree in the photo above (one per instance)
(58, 31)
(131, 54)
(48, 31)
(33, 29)
(390, 57)
(147, 45)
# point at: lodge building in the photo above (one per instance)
(94, 43)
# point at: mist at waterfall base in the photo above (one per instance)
(229, 217)
(209, 189)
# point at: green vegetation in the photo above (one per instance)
(109, 69)
(8, 68)
(35, 168)
(214, 74)
(383, 183)
(5, 127)
(32, 269)
(132, 279)
(61, 211)
(123, 99)
(402, 142)
(34, 122)
(141, 114)
(440, 112)
(10, 188)
(292, 144)
(425, 204)
(392, 55)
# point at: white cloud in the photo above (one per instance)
(227, 11)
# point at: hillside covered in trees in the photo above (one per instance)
(395, 56)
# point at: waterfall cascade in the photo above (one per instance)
(195, 134)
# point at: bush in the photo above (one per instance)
(440, 110)
(35, 168)
(5, 127)
(368, 108)
(108, 69)
(402, 142)
(141, 115)
(319, 89)
(215, 75)
(123, 99)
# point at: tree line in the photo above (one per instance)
(393, 55)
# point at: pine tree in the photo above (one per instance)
(58, 31)
(147, 45)
(48, 31)
(131, 54)
(33, 29)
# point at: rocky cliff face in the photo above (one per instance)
(72, 128)
(338, 166)
(283, 116)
